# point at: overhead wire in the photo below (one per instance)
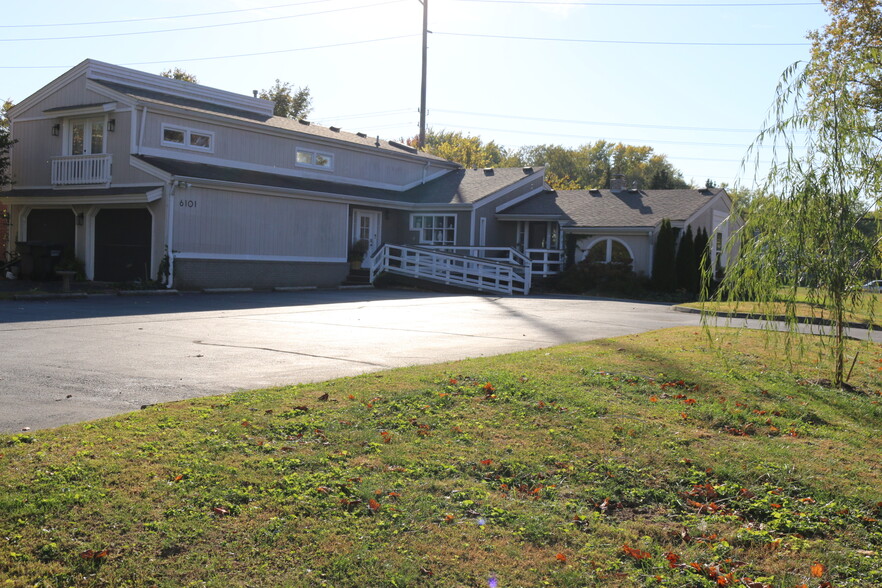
(154, 18)
(202, 27)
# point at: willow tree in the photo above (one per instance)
(803, 235)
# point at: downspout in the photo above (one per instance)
(141, 132)
(169, 233)
(425, 169)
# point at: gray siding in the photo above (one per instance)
(237, 223)
(193, 274)
(263, 147)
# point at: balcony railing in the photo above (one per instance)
(81, 169)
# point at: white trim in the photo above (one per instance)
(320, 196)
(299, 172)
(285, 133)
(609, 239)
(99, 70)
(710, 204)
(74, 111)
(607, 230)
(482, 232)
(520, 198)
(313, 155)
(60, 200)
(433, 241)
(188, 132)
(245, 257)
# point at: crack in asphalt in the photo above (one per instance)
(381, 365)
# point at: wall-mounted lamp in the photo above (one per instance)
(56, 128)
(111, 125)
(80, 218)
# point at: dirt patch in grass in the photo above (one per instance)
(649, 460)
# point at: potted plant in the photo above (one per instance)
(357, 253)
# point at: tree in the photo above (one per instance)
(850, 45)
(290, 103)
(178, 74)
(466, 150)
(687, 271)
(702, 257)
(6, 143)
(805, 229)
(664, 277)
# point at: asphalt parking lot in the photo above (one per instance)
(73, 360)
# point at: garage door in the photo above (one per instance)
(55, 226)
(122, 244)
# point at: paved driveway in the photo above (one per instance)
(67, 361)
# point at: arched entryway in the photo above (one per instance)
(122, 244)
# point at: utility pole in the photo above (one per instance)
(425, 4)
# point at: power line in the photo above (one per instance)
(165, 61)
(153, 18)
(607, 42)
(583, 137)
(650, 5)
(598, 123)
(201, 27)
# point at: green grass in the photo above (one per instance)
(866, 312)
(648, 460)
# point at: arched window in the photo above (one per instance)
(609, 250)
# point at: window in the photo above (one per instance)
(609, 251)
(435, 229)
(86, 136)
(315, 159)
(187, 138)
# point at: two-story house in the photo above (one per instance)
(139, 176)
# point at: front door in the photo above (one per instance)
(366, 227)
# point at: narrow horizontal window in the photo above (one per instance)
(185, 138)
(307, 158)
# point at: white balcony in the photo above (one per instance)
(81, 169)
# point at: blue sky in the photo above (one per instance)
(693, 79)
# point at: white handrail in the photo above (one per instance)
(448, 268)
(81, 169)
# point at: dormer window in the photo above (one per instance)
(315, 159)
(184, 138)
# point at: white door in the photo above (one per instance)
(366, 226)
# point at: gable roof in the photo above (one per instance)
(459, 186)
(605, 208)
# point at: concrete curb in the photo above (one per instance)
(775, 318)
(147, 292)
(226, 290)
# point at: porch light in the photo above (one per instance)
(111, 125)
(56, 128)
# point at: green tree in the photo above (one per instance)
(178, 74)
(6, 143)
(805, 230)
(664, 277)
(467, 150)
(289, 102)
(686, 270)
(702, 257)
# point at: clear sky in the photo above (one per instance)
(692, 78)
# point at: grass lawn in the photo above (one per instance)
(863, 313)
(646, 460)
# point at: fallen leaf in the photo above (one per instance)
(817, 570)
(561, 557)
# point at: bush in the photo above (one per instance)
(608, 278)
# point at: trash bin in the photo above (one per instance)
(38, 259)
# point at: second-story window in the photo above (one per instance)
(308, 158)
(86, 136)
(185, 138)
